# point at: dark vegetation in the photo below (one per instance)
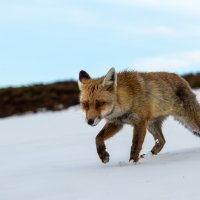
(193, 80)
(56, 96)
(53, 97)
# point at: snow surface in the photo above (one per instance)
(52, 156)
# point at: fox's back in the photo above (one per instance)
(152, 90)
(155, 79)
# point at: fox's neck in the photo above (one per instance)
(116, 112)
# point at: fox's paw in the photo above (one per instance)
(134, 157)
(103, 154)
(104, 157)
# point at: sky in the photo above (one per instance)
(44, 41)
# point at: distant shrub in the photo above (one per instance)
(56, 96)
(193, 80)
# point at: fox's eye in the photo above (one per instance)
(100, 103)
(85, 105)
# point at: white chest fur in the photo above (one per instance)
(123, 118)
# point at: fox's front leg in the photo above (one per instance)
(138, 140)
(109, 130)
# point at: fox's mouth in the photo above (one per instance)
(96, 121)
(94, 125)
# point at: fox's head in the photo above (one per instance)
(97, 96)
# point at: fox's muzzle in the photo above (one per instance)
(91, 122)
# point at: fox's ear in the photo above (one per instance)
(83, 75)
(111, 79)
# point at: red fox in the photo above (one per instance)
(143, 100)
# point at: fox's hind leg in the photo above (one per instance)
(154, 127)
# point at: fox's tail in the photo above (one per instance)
(190, 117)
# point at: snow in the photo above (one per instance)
(52, 156)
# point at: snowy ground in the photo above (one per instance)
(52, 156)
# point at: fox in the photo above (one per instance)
(143, 100)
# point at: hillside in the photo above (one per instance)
(36, 98)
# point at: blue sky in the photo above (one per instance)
(46, 40)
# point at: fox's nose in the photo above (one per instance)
(90, 121)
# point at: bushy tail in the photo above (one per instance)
(190, 117)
